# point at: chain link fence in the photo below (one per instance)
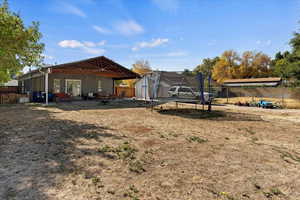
(286, 97)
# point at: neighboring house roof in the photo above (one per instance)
(101, 66)
(272, 81)
(173, 78)
(11, 83)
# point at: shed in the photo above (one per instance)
(253, 82)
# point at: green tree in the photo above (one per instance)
(19, 45)
(294, 57)
(206, 66)
(187, 72)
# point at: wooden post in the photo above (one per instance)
(227, 94)
(282, 96)
(46, 85)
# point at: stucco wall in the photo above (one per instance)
(89, 83)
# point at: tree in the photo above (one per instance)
(294, 57)
(140, 67)
(287, 65)
(249, 65)
(221, 70)
(19, 45)
(206, 66)
(187, 72)
(261, 65)
(226, 67)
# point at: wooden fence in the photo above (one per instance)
(125, 91)
(10, 98)
(9, 89)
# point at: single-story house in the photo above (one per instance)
(253, 82)
(77, 79)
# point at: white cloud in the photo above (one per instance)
(101, 43)
(167, 5)
(101, 30)
(153, 43)
(87, 46)
(264, 43)
(129, 27)
(70, 44)
(71, 9)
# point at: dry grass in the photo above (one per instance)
(286, 103)
(80, 151)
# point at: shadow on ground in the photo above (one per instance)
(35, 148)
(101, 105)
(213, 115)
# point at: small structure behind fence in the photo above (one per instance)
(124, 91)
(10, 95)
(286, 96)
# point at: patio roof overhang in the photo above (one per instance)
(99, 66)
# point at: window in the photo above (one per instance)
(99, 86)
(172, 89)
(182, 89)
(56, 85)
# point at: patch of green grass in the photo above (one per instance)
(105, 149)
(125, 151)
(196, 139)
(96, 180)
(132, 192)
(227, 195)
(276, 191)
(134, 189)
(136, 166)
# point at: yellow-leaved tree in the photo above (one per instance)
(250, 65)
(226, 67)
(140, 67)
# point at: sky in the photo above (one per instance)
(171, 34)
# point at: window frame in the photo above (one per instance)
(55, 81)
(99, 86)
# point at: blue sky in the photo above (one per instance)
(170, 34)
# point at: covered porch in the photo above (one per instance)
(85, 79)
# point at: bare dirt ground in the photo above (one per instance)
(79, 151)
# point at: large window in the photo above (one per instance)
(56, 86)
(99, 86)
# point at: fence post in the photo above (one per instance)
(227, 94)
(282, 96)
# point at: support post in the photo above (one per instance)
(227, 94)
(46, 86)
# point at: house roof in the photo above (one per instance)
(100, 66)
(254, 80)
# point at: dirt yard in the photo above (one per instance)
(83, 151)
